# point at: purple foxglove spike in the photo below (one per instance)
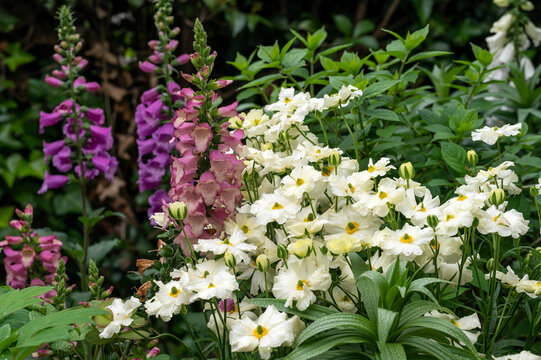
(52, 182)
(69, 131)
(228, 111)
(162, 138)
(223, 83)
(187, 77)
(58, 58)
(27, 256)
(50, 149)
(230, 196)
(50, 242)
(88, 173)
(147, 67)
(82, 64)
(95, 115)
(106, 164)
(145, 147)
(62, 160)
(101, 136)
(18, 224)
(52, 81)
(50, 260)
(46, 119)
(11, 240)
(65, 107)
(196, 223)
(80, 81)
(153, 44)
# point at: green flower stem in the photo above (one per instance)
(199, 350)
(318, 116)
(189, 243)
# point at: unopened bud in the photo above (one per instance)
(490, 264)
(432, 221)
(178, 210)
(263, 263)
(281, 251)
(527, 6)
(266, 146)
(406, 171)
(335, 158)
(534, 191)
(472, 157)
(501, 3)
(230, 260)
(496, 197)
(301, 248)
(235, 122)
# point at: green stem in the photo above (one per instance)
(322, 128)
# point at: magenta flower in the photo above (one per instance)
(51, 182)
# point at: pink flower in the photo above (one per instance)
(52, 182)
(202, 135)
(229, 110)
(27, 256)
(147, 67)
(52, 81)
(153, 352)
(207, 187)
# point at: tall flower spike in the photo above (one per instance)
(87, 143)
(153, 115)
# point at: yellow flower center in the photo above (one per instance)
(382, 195)
(256, 122)
(449, 217)
(260, 331)
(371, 169)
(406, 239)
(211, 285)
(299, 182)
(226, 242)
(346, 298)
(245, 229)
(174, 292)
(496, 218)
(495, 128)
(318, 151)
(309, 218)
(351, 188)
(454, 322)
(277, 206)
(327, 170)
(287, 100)
(422, 209)
(205, 274)
(301, 283)
(352, 227)
(461, 198)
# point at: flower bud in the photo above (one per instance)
(406, 171)
(341, 245)
(472, 157)
(205, 71)
(335, 158)
(527, 6)
(175, 31)
(501, 3)
(230, 260)
(263, 263)
(496, 197)
(281, 251)
(432, 221)
(301, 248)
(178, 210)
(490, 264)
(534, 191)
(235, 122)
(266, 146)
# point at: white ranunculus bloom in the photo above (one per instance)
(274, 207)
(523, 355)
(170, 297)
(465, 323)
(122, 312)
(407, 241)
(235, 244)
(504, 223)
(271, 330)
(299, 280)
(211, 279)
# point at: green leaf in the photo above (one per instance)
(383, 114)
(360, 324)
(269, 53)
(316, 39)
(313, 312)
(343, 23)
(386, 322)
(482, 55)
(393, 352)
(416, 309)
(371, 284)
(322, 344)
(17, 56)
(454, 155)
(358, 265)
(529, 160)
(427, 54)
(437, 350)
(19, 299)
(98, 251)
(294, 58)
(378, 88)
(419, 286)
(267, 79)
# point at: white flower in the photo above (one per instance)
(302, 179)
(465, 324)
(509, 278)
(387, 193)
(274, 207)
(509, 223)
(211, 279)
(503, 24)
(380, 168)
(523, 355)
(254, 232)
(122, 312)
(533, 32)
(298, 281)
(169, 298)
(305, 221)
(159, 218)
(235, 245)
(407, 241)
(418, 212)
(272, 329)
(490, 135)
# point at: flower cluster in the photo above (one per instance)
(512, 34)
(532, 288)
(87, 142)
(153, 115)
(28, 255)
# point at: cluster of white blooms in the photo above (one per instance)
(491, 134)
(465, 324)
(501, 44)
(122, 316)
(305, 207)
(532, 288)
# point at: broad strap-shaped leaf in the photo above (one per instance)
(371, 284)
(386, 322)
(439, 351)
(360, 324)
(313, 312)
(419, 286)
(416, 309)
(322, 344)
(19, 299)
(439, 326)
(391, 351)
